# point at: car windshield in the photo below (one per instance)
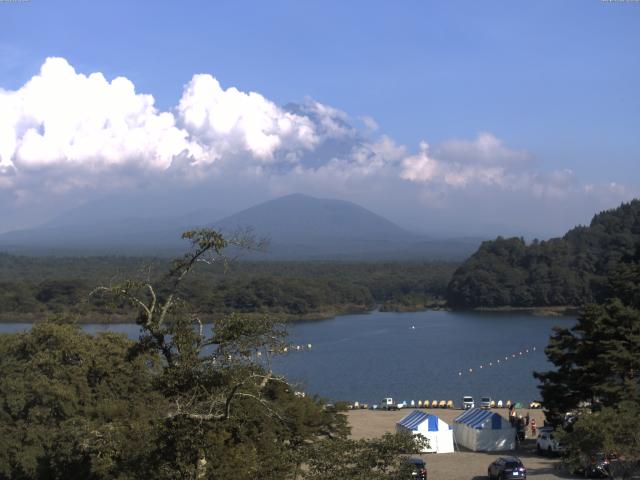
(467, 399)
(416, 463)
(486, 399)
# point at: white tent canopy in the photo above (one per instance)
(483, 430)
(438, 432)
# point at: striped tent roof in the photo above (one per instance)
(416, 418)
(478, 418)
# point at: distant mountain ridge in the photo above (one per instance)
(571, 270)
(304, 227)
(86, 232)
(298, 226)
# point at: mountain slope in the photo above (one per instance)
(571, 270)
(300, 218)
(303, 227)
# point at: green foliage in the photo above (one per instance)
(598, 366)
(73, 405)
(182, 402)
(598, 360)
(571, 270)
(614, 431)
(375, 459)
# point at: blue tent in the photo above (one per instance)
(477, 418)
(437, 431)
(416, 418)
(484, 430)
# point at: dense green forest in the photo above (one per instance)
(571, 270)
(32, 288)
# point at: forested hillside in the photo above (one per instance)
(562, 271)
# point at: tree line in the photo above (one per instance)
(31, 287)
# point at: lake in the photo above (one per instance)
(434, 355)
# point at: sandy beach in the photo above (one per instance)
(461, 465)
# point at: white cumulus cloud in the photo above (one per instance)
(424, 167)
(63, 118)
(234, 122)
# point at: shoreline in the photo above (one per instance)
(552, 311)
(102, 319)
(119, 319)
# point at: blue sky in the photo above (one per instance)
(555, 79)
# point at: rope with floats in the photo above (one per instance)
(498, 362)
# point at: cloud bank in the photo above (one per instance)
(67, 137)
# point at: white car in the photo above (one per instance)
(547, 443)
(467, 402)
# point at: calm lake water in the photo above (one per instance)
(411, 356)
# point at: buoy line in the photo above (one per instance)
(499, 361)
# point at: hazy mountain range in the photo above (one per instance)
(297, 226)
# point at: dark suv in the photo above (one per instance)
(417, 467)
(507, 468)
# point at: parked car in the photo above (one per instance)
(505, 468)
(547, 443)
(418, 468)
(467, 402)
(485, 402)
